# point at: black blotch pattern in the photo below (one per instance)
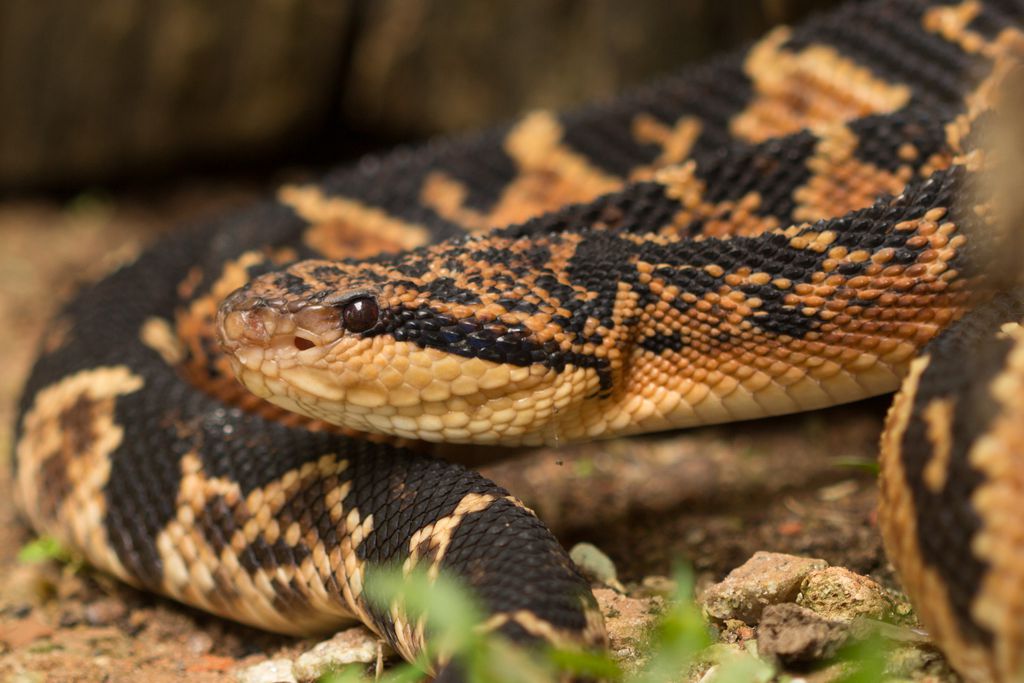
(773, 169)
(880, 138)
(713, 93)
(606, 258)
(292, 284)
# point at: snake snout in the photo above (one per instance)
(248, 320)
(244, 319)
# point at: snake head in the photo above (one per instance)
(376, 348)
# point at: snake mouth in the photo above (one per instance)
(273, 324)
(269, 342)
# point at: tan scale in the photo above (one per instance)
(432, 541)
(938, 416)
(808, 89)
(341, 227)
(550, 175)
(159, 335)
(675, 141)
(840, 182)
(717, 219)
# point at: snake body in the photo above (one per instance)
(795, 225)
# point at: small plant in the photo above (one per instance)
(44, 549)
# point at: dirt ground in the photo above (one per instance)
(710, 497)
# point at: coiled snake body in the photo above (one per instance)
(784, 229)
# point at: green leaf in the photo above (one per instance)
(597, 665)
(44, 549)
(866, 660)
(350, 674)
(678, 638)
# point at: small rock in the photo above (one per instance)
(627, 620)
(796, 635)
(352, 646)
(104, 611)
(72, 613)
(26, 677)
(596, 566)
(271, 671)
(735, 631)
(838, 594)
(138, 620)
(764, 579)
(199, 643)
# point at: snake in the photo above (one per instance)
(241, 418)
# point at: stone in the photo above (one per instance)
(796, 635)
(351, 646)
(838, 594)
(104, 611)
(270, 671)
(765, 579)
(627, 620)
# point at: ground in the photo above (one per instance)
(709, 497)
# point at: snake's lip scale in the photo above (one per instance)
(276, 327)
(800, 224)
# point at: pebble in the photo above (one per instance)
(765, 579)
(735, 631)
(199, 643)
(796, 635)
(838, 594)
(627, 621)
(352, 646)
(270, 671)
(104, 611)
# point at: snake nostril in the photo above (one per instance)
(301, 343)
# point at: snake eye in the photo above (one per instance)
(359, 315)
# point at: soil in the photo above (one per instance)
(709, 497)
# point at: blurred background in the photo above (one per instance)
(109, 91)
